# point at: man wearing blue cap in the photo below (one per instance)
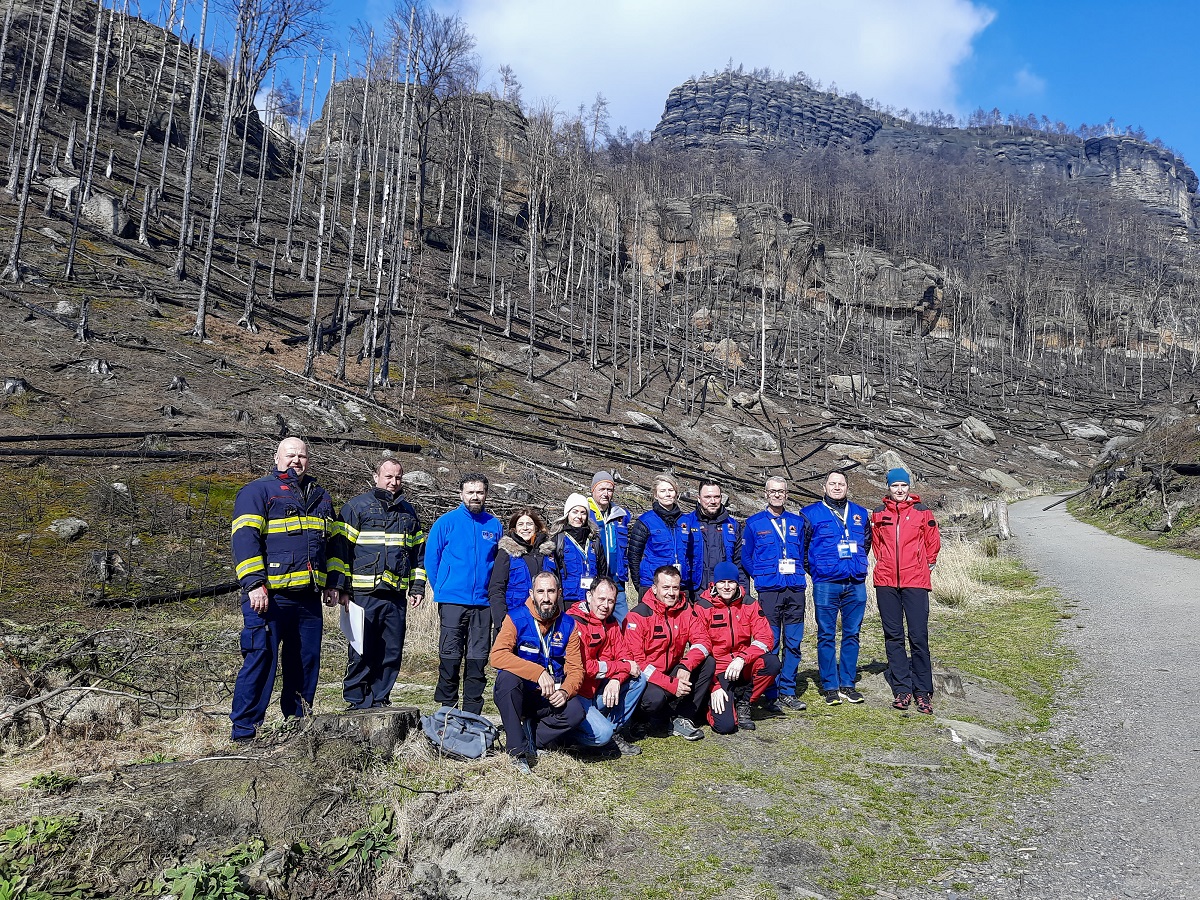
(837, 563)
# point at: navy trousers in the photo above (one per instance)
(288, 634)
(520, 702)
(371, 676)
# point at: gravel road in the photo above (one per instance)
(1129, 827)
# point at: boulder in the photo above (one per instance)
(977, 429)
(755, 439)
(324, 412)
(726, 351)
(1002, 480)
(1130, 425)
(641, 420)
(62, 186)
(978, 736)
(852, 384)
(1086, 431)
(68, 529)
(419, 479)
(887, 460)
(15, 387)
(858, 452)
(104, 212)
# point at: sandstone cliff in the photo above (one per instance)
(732, 110)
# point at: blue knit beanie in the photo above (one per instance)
(898, 474)
(725, 571)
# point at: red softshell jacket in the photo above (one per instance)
(734, 629)
(660, 638)
(604, 652)
(905, 540)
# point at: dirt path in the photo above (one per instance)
(1129, 827)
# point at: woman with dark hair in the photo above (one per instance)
(519, 558)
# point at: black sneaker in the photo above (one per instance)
(925, 704)
(851, 695)
(833, 698)
(770, 708)
(681, 727)
(744, 721)
(903, 701)
(626, 748)
(790, 701)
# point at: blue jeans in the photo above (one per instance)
(829, 600)
(621, 609)
(784, 609)
(287, 634)
(597, 728)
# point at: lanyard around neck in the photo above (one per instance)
(780, 526)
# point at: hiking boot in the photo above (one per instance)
(790, 701)
(833, 698)
(851, 695)
(626, 748)
(681, 727)
(925, 704)
(903, 701)
(744, 721)
(522, 765)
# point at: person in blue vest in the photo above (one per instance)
(523, 552)
(773, 545)
(577, 554)
(539, 664)
(375, 563)
(613, 522)
(837, 563)
(459, 554)
(280, 525)
(660, 537)
(716, 537)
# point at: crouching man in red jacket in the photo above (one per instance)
(741, 640)
(670, 645)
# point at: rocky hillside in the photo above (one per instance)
(732, 110)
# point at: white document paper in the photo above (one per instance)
(352, 623)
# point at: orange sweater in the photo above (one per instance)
(504, 655)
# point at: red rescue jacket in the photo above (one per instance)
(604, 652)
(905, 540)
(735, 628)
(660, 638)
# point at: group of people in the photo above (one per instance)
(713, 628)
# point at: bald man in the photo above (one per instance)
(280, 523)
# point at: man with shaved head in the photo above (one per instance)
(280, 523)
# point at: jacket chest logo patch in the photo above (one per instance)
(718, 620)
(659, 630)
(557, 637)
(857, 519)
(683, 527)
(791, 528)
(489, 535)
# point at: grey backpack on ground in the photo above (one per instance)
(459, 734)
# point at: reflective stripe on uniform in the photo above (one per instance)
(258, 523)
(303, 578)
(294, 524)
(250, 566)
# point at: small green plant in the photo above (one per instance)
(53, 782)
(219, 880)
(155, 758)
(25, 851)
(368, 847)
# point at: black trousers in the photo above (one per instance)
(371, 676)
(465, 632)
(520, 701)
(657, 703)
(906, 611)
(749, 686)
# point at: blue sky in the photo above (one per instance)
(1074, 61)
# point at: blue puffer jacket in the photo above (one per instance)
(459, 554)
(659, 537)
(577, 563)
(280, 526)
(825, 564)
(762, 549)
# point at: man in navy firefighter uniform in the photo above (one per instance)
(539, 659)
(773, 545)
(280, 523)
(837, 562)
(376, 561)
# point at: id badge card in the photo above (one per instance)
(586, 583)
(845, 549)
(787, 567)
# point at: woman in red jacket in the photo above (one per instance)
(905, 541)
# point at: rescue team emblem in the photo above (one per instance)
(791, 529)
(857, 519)
(683, 527)
(557, 637)
(489, 535)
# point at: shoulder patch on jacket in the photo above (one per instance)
(642, 610)
(921, 506)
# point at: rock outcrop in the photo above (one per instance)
(732, 110)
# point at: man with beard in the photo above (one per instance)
(459, 555)
(375, 563)
(540, 670)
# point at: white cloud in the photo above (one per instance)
(1028, 83)
(635, 51)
